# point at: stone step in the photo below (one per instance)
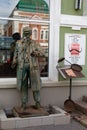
(81, 119)
(84, 98)
(81, 111)
(81, 106)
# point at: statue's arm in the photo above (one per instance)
(39, 51)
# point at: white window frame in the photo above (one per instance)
(55, 9)
(54, 23)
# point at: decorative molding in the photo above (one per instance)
(68, 20)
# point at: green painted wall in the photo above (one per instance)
(63, 31)
(68, 7)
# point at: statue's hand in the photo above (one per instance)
(13, 66)
(34, 53)
(37, 53)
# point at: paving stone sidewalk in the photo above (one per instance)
(73, 125)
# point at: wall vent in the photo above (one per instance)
(78, 4)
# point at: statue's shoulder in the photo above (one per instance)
(34, 42)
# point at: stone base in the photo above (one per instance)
(59, 117)
(29, 111)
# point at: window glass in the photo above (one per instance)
(34, 34)
(42, 34)
(26, 13)
(46, 35)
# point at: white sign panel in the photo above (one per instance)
(75, 48)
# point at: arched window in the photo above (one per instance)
(42, 34)
(34, 33)
(46, 35)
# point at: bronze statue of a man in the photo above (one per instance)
(26, 57)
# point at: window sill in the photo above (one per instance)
(11, 83)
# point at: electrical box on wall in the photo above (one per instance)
(78, 4)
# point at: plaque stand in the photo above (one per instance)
(67, 73)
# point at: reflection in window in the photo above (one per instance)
(46, 35)
(29, 10)
(42, 35)
(34, 34)
(5, 63)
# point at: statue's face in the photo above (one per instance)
(27, 32)
(27, 36)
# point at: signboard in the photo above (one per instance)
(75, 45)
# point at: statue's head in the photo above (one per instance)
(27, 31)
